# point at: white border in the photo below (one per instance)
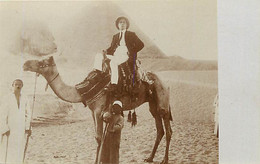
(239, 81)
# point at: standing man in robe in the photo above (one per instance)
(15, 118)
(110, 150)
(125, 45)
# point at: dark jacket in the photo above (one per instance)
(133, 44)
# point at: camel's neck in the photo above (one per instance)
(63, 91)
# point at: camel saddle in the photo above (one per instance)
(129, 79)
(92, 87)
(95, 84)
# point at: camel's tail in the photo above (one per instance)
(170, 113)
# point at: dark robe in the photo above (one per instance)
(110, 150)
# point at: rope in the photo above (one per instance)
(46, 87)
(36, 75)
(53, 78)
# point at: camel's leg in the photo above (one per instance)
(98, 129)
(159, 128)
(168, 130)
(97, 107)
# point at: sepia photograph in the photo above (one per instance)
(109, 82)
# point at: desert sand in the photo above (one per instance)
(69, 138)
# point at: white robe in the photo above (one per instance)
(17, 121)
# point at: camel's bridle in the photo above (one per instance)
(49, 82)
(44, 65)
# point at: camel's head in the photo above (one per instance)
(40, 66)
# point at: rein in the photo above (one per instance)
(49, 82)
(43, 65)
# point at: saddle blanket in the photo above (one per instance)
(93, 86)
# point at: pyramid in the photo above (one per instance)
(91, 32)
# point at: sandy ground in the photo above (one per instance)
(61, 138)
(75, 143)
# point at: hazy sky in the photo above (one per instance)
(185, 28)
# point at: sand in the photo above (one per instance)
(75, 143)
(70, 138)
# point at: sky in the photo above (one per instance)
(183, 28)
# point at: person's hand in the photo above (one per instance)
(7, 133)
(28, 132)
(107, 116)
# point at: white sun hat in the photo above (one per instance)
(118, 103)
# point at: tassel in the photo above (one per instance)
(129, 118)
(134, 119)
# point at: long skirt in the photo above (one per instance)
(110, 151)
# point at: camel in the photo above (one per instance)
(158, 102)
